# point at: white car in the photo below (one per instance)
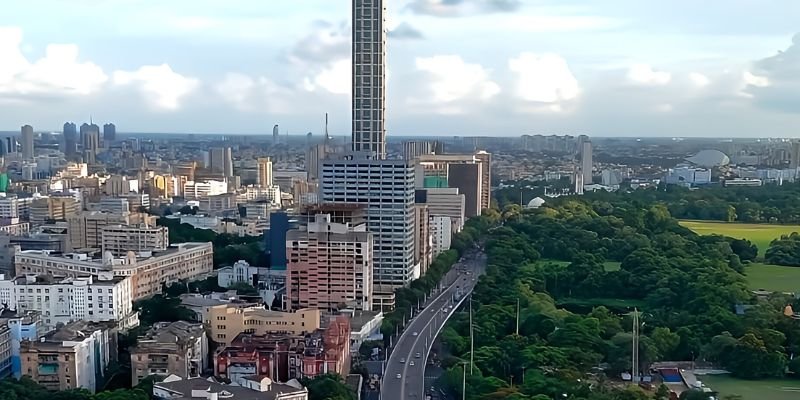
(399, 376)
(415, 334)
(411, 363)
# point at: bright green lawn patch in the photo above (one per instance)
(760, 234)
(771, 389)
(611, 266)
(776, 278)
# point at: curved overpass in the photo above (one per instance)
(401, 379)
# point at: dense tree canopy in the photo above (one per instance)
(686, 286)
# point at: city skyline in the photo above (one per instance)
(464, 68)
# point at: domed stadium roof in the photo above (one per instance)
(536, 202)
(709, 159)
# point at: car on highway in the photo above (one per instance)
(418, 355)
(411, 363)
(398, 376)
(415, 334)
(402, 360)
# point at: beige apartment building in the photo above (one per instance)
(57, 208)
(86, 228)
(329, 265)
(170, 348)
(119, 239)
(148, 271)
(228, 321)
(70, 357)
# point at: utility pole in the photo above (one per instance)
(471, 338)
(464, 384)
(635, 350)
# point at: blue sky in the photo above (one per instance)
(456, 67)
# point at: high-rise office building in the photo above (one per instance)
(11, 144)
(221, 160)
(70, 140)
(468, 179)
(265, 172)
(386, 188)
(486, 178)
(27, 142)
(109, 133)
(369, 77)
(586, 161)
(276, 131)
(90, 139)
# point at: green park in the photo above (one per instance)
(760, 275)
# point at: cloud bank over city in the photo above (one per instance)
(456, 67)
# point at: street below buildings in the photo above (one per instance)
(404, 377)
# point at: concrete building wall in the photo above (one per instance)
(467, 178)
(229, 321)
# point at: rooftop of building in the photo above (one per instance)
(76, 331)
(169, 333)
(173, 249)
(185, 389)
(104, 279)
(360, 318)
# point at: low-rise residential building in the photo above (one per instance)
(249, 388)
(170, 348)
(120, 239)
(5, 351)
(147, 270)
(13, 226)
(329, 266)
(72, 357)
(22, 326)
(64, 300)
(201, 304)
(86, 228)
(441, 233)
(54, 208)
(228, 321)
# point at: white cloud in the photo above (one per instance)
(545, 79)
(451, 80)
(336, 78)
(699, 79)
(644, 74)
(57, 73)
(160, 85)
(754, 80)
(557, 23)
(664, 108)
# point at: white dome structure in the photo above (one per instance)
(709, 159)
(535, 203)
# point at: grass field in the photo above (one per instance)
(772, 389)
(760, 234)
(773, 277)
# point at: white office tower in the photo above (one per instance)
(586, 162)
(369, 77)
(386, 187)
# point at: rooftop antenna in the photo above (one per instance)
(327, 136)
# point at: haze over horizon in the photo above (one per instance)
(456, 67)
